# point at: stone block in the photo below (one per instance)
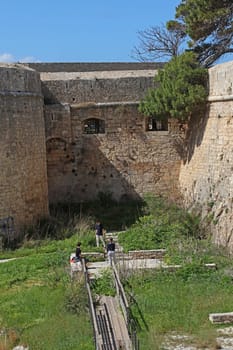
(219, 318)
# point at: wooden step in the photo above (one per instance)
(118, 323)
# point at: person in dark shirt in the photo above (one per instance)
(99, 233)
(78, 252)
(111, 251)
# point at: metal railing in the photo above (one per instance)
(129, 320)
(91, 307)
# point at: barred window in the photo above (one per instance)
(94, 126)
(154, 124)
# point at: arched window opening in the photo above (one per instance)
(154, 124)
(94, 126)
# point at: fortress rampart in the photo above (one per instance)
(206, 176)
(23, 176)
(124, 158)
(73, 130)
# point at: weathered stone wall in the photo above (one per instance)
(23, 176)
(126, 160)
(94, 66)
(206, 176)
(83, 87)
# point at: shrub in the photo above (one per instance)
(104, 285)
(76, 300)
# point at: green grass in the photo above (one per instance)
(104, 284)
(113, 215)
(41, 307)
(177, 302)
(35, 294)
(167, 302)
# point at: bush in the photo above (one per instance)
(164, 225)
(76, 300)
(104, 285)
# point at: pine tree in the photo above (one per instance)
(181, 89)
(209, 25)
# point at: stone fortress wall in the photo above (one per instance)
(126, 159)
(206, 176)
(23, 172)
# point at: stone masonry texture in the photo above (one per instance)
(23, 174)
(206, 175)
(46, 157)
(126, 160)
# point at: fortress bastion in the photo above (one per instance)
(23, 174)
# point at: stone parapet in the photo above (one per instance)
(94, 66)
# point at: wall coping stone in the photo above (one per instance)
(20, 94)
(220, 98)
(92, 66)
(104, 104)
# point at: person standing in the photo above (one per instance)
(78, 252)
(111, 252)
(99, 233)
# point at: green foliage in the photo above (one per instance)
(166, 225)
(104, 284)
(193, 270)
(209, 24)
(114, 215)
(76, 300)
(35, 303)
(166, 302)
(46, 310)
(181, 91)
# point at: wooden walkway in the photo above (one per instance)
(112, 313)
(113, 333)
(111, 323)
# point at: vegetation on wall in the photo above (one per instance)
(206, 25)
(182, 89)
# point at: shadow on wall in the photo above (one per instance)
(80, 171)
(193, 137)
(49, 97)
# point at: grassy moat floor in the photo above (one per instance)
(42, 308)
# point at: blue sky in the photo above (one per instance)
(77, 31)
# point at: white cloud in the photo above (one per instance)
(9, 58)
(6, 58)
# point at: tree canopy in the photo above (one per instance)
(181, 91)
(202, 26)
(159, 42)
(209, 24)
